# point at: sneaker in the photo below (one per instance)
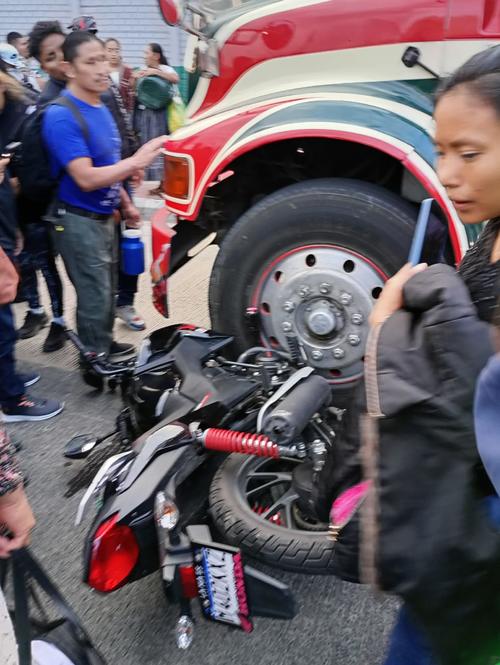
(28, 378)
(130, 317)
(33, 323)
(119, 351)
(32, 408)
(56, 338)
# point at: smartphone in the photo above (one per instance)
(417, 243)
(9, 149)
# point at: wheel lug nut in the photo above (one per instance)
(289, 306)
(338, 353)
(286, 326)
(346, 298)
(354, 340)
(304, 292)
(316, 354)
(357, 319)
(325, 288)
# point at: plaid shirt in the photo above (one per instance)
(10, 476)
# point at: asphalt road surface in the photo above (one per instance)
(338, 623)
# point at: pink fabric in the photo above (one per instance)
(348, 502)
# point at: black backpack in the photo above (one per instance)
(32, 164)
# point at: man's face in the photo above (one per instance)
(51, 56)
(22, 46)
(90, 69)
(113, 53)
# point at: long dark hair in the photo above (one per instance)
(480, 74)
(156, 48)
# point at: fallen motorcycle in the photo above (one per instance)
(160, 492)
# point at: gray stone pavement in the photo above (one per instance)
(338, 623)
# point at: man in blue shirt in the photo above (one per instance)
(90, 188)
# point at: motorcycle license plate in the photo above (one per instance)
(221, 584)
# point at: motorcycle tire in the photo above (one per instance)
(317, 225)
(240, 525)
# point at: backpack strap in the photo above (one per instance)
(68, 103)
(26, 567)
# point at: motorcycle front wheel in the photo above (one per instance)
(254, 507)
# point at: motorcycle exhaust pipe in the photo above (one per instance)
(287, 421)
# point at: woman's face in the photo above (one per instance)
(113, 53)
(150, 58)
(468, 146)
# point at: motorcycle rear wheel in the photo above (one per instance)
(253, 507)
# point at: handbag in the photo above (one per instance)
(176, 113)
(153, 92)
(8, 279)
(43, 642)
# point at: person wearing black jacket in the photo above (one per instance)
(14, 402)
(45, 42)
(444, 563)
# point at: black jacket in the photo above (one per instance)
(427, 535)
(10, 118)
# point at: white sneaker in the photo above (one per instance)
(130, 317)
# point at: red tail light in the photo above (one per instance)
(113, 556)
(188, 582)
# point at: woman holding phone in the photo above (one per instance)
(467, 117)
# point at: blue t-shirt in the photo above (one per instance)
(487, 419)
(65, 142)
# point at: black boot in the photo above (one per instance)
(33, 323)
(56, 338)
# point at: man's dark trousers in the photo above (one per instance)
(87, 247)
(11, 385)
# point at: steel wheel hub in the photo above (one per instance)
(321, 297)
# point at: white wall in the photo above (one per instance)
(133, 22)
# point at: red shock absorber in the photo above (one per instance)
(228, 441)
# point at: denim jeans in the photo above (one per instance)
(408, 644)
(127, 288)
(38, 255)
(11, 385)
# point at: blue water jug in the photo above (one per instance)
(132, 250)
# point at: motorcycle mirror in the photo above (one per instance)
(80, 446)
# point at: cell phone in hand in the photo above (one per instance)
(417, 243)
(10, 149)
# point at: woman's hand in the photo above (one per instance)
(16, 515)
(391, 298)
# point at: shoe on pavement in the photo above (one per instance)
(33, 323)
(31, 409)
(130, 317)
(119, 351)
(56, 338)
(28, 378)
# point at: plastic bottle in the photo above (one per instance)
(132, 251)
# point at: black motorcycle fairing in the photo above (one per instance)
(135, 506)
(164, 437)
(190, 353)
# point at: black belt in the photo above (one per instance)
(74, 210)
